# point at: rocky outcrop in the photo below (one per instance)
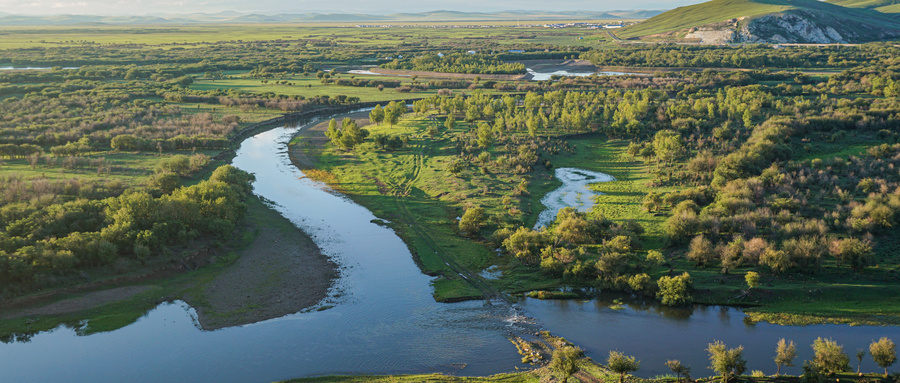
(799, 26)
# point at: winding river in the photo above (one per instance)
(385, 320)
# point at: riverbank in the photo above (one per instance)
(280, 272)
(272, 270)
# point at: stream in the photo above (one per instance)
(385, 320)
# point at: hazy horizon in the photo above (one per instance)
(382, 7)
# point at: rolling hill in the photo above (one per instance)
(773, 21)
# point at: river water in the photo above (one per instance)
(385, 320)
(574, 192)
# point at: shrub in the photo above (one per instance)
(675, 291)
(829, 357)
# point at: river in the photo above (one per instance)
(386, 321)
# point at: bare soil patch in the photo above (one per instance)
(424, 74)
(85, 302)
(573, 66)
(282, 272)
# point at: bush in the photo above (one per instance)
(675, 291)
(472, 220)
(829, 357)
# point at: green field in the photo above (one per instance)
(345, 34)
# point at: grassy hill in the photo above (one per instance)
(884, 6)
(716, 11)
(700, 14)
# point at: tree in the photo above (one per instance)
(679, 369)
(621, 364)
(450, 123)
(785, 352)
(526, 244)
(377, 114)
(725, 361)
(860, 354)
(701, 251)
(829, 357)
(485, 135)
(675, 291)
(565, 361)
(652, 201)
(655, 258)
(472, 220)
(667, 145)
(165, 181)
(884, 352)
(393, 111)
(853, 252)
(752, 279)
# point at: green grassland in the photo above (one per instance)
(884, 6)
(344, 34)
(310, 86)
(130, 168)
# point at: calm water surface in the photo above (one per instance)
(655, 333)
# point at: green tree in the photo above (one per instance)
(785, 353)
(621, 364)
(679, 369)
(565, 361)
(667, 145)
(237, 178)
(526, 244)
(884, 352)
(377, 114)
(393, 111)
(655, 258)
(165, 181)
(829, 357)
(450, 123)
(675, 291)
(701, 251)
(652, 201)
(485, 135)
(727, 362)
(752, 279)
(852, 252)
(472, 220)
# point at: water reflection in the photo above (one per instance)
(655, 333)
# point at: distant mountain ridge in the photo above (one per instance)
(769, 21)
(238, 18)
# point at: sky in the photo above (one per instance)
(156, 7)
